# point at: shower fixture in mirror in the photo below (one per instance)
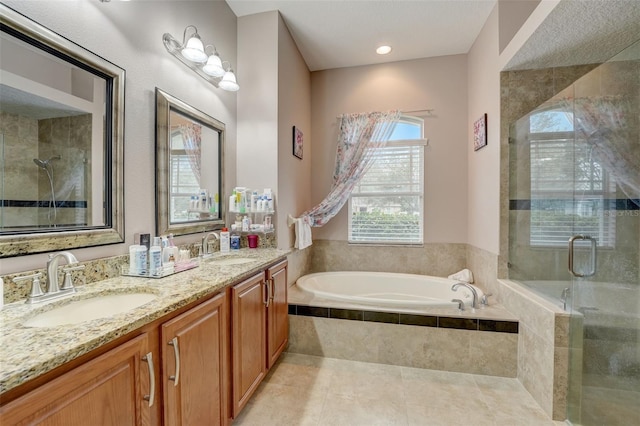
(189, 168)
(61, 127)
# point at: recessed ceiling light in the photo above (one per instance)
(383, 50)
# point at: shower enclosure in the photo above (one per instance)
(574, 230)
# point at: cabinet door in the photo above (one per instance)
(108, 390)
(194, 348)
(248, 329)
(277, 312)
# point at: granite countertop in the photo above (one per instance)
(26, 353)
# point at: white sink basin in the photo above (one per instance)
(231, 260)
(90, 309)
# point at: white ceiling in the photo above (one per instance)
(345, 33)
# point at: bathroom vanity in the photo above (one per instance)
(193, 355)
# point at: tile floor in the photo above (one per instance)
(310, 390)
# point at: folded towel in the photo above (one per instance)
(303, 232)
(465, 276)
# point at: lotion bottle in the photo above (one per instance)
(225, 240)
(155, 256)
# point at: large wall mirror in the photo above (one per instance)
(61, 142)
(189, 168)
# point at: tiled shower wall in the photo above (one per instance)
(70, 138)
(25, 183)
(20, 179)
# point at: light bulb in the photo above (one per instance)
(213, 66)
(228, 82)
(194, 50)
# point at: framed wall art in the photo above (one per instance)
(480, 133)
(297, 142)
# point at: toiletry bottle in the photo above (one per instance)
(245, 224)
(141, 260)
(254, 201)
(225, 240)
(232, 202)
(270, 204)
(155, 256)
(175, 251)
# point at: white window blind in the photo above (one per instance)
(183, 181)
(386, 207)
(569, 193)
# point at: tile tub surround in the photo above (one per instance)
(543, 346)
(481, 342)
(437, 259)
(42, 349)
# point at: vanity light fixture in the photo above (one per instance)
(228, 82)
(383, 50)
(193, 49)
(193, 53)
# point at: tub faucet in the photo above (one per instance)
(205, 244)
(474, 303)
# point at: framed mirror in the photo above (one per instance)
(189, 168)
(61, 142)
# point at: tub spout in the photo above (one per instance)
(474, 303)
(460, 303)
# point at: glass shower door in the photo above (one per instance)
(604, 371)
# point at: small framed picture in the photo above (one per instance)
(297, 142)
(480, 133)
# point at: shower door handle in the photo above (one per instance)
(594, 249)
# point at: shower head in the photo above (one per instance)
(40, 163)
(45, 163)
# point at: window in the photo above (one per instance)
(386, 207)
(569, 189)
(183, 181)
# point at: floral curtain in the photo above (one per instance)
(360, 136)
(192, 140)
(611, 127)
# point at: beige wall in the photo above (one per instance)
(257, 156)
(129, 34)
(483, 220)
(512, 14)
(439, 83)
(276, 97)
(294, 109)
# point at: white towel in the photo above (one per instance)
(303, 232)
(465, 276)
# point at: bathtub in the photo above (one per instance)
(386, 289)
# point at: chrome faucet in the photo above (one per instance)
(474, 303)
(205, 244)
(53, 289)
(52, 273)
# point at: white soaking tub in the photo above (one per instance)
(385, 289)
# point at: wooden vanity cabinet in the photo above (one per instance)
(259, 330)
(112, 389)
(194, 352)
(196, 375)
(277, 312)
(248, 338)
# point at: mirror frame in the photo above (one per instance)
(112, 232)
(164, 104)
